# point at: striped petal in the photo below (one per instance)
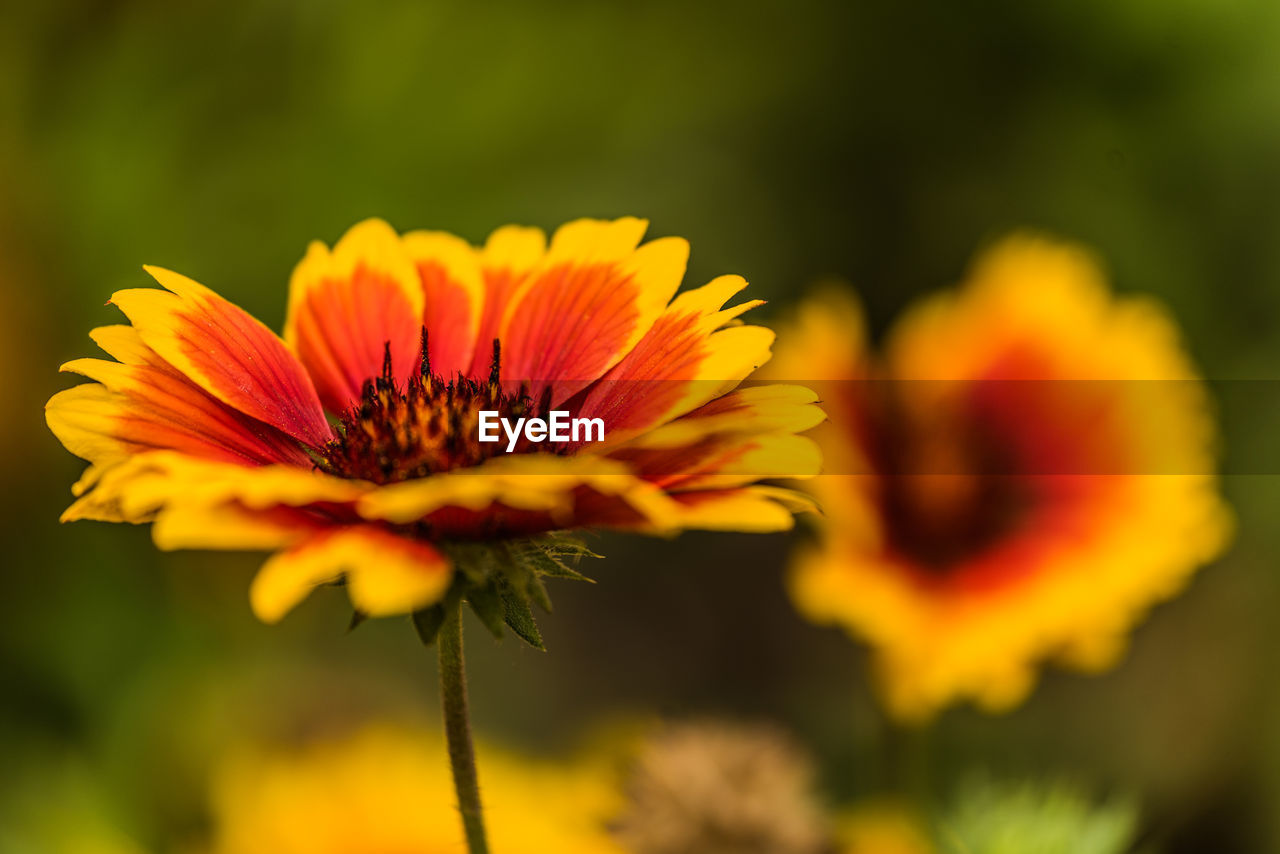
(453, 288)
(145, 404)
(226, 352)
(587, 305)
(754, 510)
(726, 460)
(754, 409)
(686, 358)
(136, 488)
(534, 482)
(348, 305)
(509, 255)
(385, 573)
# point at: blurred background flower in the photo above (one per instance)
(1022, 474)
(884, 827)
(387, 789)
(875, 141)
(720, 788)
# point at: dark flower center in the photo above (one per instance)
(430, 425)
(949, 489)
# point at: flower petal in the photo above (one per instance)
(748, 434)
(681, 362)
(136, 488)
(822, 340)
(755, 409)
(230, 526)
(85, 419)
(385, 573)
(726, 460)
(589, 303)
(749, 509)
(534, 482)
(123, 343)
(149, 405)
(449, 270)
(347, 305)
(508, 256)
(226, 352)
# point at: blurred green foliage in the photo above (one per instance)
(1036, 818)
(877, 141)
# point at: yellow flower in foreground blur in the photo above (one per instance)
(352, 446)
(883, 828)
(1020, 476)
(387, 791)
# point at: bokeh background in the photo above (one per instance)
(876, 141)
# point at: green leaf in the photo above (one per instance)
(520, 618)
(428, 622)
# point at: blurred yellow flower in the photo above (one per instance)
(883, 828)
(387, 790)
(1026, 469)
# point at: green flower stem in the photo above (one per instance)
(457, 728)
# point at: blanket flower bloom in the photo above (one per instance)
(349, 447)
(384, 789)
(1026, 470)
(355, 447)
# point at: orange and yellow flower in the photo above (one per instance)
(387, 789)
(1026, 469)
(349, 447)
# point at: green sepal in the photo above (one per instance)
(519, 617)
(501, 581)
(520, 575)
(428, 621)
(487, 604)
(549, 566)
(357, 617)
(478, 563)
(546, 557)
(565, 545)
(537, 592)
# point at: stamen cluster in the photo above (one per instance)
(428, 426)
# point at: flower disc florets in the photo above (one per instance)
(426, 427)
